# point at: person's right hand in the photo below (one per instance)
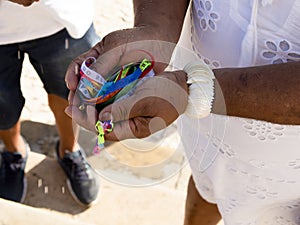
(154, 105)
(25, 3)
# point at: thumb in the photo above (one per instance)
(128, 118)
(158, 99)
(135, 105)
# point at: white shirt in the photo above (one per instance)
(250, 168)
(43, 18)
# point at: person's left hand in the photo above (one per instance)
(25, 3)
(155, 104)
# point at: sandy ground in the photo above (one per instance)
(134, 206)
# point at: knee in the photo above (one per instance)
(198, 211)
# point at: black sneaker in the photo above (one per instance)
(13, 183)
(83, 182)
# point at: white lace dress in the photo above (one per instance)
(250, 168)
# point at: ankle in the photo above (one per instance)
(17, 145)
(63, 149)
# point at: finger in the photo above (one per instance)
(71, 97)
(120, 110)
(153, 107)
(91, 117)
(74, 99)
(151, 99)
(110, 61)
(106, 62)
(86, 118)
(158, 51)
(126, 123)
(114, 55)
(72, 74)
(139, 127)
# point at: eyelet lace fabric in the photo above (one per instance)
(250, 168)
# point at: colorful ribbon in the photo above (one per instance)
(102, 128)
(94, 89)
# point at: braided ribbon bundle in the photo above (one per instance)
(93, 89)
(201, 89)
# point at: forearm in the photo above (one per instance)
(163, 17)
(269, 93)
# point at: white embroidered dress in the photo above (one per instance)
(250, 168)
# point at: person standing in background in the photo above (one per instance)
(52, 33)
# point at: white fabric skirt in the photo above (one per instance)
(249, 168)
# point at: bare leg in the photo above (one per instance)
(13, 140)
(64, 124)
(197, 210)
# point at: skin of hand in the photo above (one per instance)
(129, 45)
(25, 3)
(111, 53)
(155, 104)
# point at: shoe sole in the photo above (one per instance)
(75, 197)
(24, 191)
(71, 189)
(28, 150)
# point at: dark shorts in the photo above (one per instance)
(50, 57)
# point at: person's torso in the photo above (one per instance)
(246, 32)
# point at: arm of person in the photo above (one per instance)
(269, 93)
(163, 18)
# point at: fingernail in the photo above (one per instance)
(68, 111)
(76, 69)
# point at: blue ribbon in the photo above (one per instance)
(110, 87)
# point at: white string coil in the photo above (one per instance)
(201, 89)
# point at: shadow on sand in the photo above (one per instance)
(46, 181)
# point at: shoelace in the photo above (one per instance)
(14, 163)
(78, 166)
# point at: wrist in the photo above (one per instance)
(200, 79)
